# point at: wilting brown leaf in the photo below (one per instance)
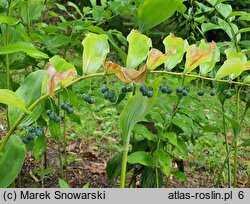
(156, 58)
(57, 77)
(126, 74)
(196, 56)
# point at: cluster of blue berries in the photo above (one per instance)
(67, 107)
(87, 98)
(33, 132)
(53, 116)
(126, 89)
(147, 91)
(165, 89)
(183, 90)
(109, 94)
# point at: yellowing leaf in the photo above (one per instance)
(95, 50)
(232, 67)
(139, 45)
(178, 47)
(215, 57)
(196, 56)
(126, 74)
(156, 58)
(58, 77)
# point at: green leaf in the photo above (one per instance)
(209, 26)
(151, 13)
(136, 109)
(26, 47)
(138, 49)
(247, 80)
(40, 145)
(55, 130)
(180, 175)
(95, 49)
(141, 157)
(60, 64)
(144, 132)
(178, 46)
(243, 30)
(224, 9)
(10, 98)
(30, 91)
(233, 67)
(8, 20)
(63, 184)
(236, 125)
(164, 161)
(113, 168)
(172, 137)
(11, 161)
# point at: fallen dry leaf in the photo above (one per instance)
(129, 75)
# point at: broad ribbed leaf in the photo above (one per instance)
(136, 109)
(140, 157)
(209, 26)
(8, 20)
(95, 49)
(10, 98)
(164, 161)
(26, 47)
(30, 91)
(11, 160)
(233, 67)
(151, 13)
(138, 49)
(215, 57)
(178, 47)
(196, 56)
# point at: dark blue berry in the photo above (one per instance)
(104, 89)
(31, 129)
(179, 89)
(149, 94)
(112, 99)
(200, 92)
(212, 93)
(38, 132)
(169, 90)
(70, 110)
(164, 89)
(25, 140)
(184, 92)
(124, 89)
(52, 116)
(58, 119)
(64, 106)
(129, 88)
(31, 137)
(48, 112)
(227, 94)
(143, 89)
(91, 100)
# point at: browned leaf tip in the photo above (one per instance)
(128, 75)
(197, 54)
(57, 77)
